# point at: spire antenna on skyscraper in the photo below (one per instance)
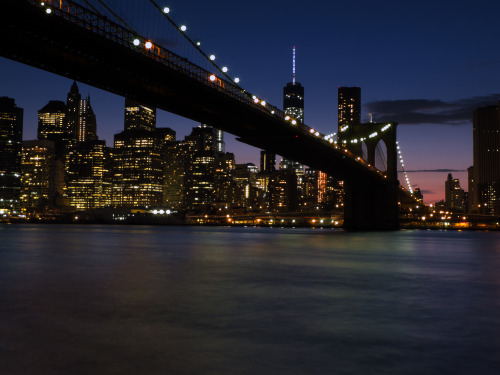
(293, 66)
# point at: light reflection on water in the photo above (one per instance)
(197, 300)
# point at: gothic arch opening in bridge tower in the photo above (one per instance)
(381, 156)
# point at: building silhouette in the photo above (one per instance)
(485, 176)
(454, 194)
(349, 106)
(11, 133)
(267, 161)
(80, 117)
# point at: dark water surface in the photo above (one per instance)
(190, 300)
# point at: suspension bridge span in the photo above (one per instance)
(76, 41)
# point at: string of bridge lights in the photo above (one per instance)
(403, 167)
(195, 43)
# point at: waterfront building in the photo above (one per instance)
(485, 192)
(11, 132)
(176, 159)
(283, 196)
(38, 175)
(454, 194)
(138, 169)
(200, 178)
(89, 176)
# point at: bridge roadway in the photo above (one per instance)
(52, 43)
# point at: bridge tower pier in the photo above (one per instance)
(371, 207)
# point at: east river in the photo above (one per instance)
(95, 299)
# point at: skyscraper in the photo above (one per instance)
(52, 124)
(139, 116)
(267, 161)
(38, 189)
(486, 160)
(349, 106)
(454, 194)
(80, 117)
(293, 96)
(200, 178)
(138, 169)
(11, 132)
(89, 179)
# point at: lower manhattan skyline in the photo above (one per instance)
(425, 66)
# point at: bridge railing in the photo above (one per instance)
(101, 25)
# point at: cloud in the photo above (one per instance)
(425, 111)
(434, 170)
(426, 192)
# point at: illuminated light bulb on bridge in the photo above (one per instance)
(212, 57)
(237, 80)
(49, 10)
(148, 45)
(330, 140)
(166, 10)
(225, 69)
(317, 134)
(212, 77)
(287, 118)
(183, 28)
(136, 42)
(294, 122)
(272, 112)
(255, 100)
(263, 103)
(311, 130)
(198, 43)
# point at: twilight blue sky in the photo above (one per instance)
(424, 64)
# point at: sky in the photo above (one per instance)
(426, 65)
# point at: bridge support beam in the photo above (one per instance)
(371, 207)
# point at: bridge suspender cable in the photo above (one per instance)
(114, 14)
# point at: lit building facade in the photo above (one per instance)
(38, 185)
(283, 195)
(137, 160)
(52, 122)
(200, 181)
(11, 132)
(139, 116)
(89, 178)
(349, 106)
(177, 157)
